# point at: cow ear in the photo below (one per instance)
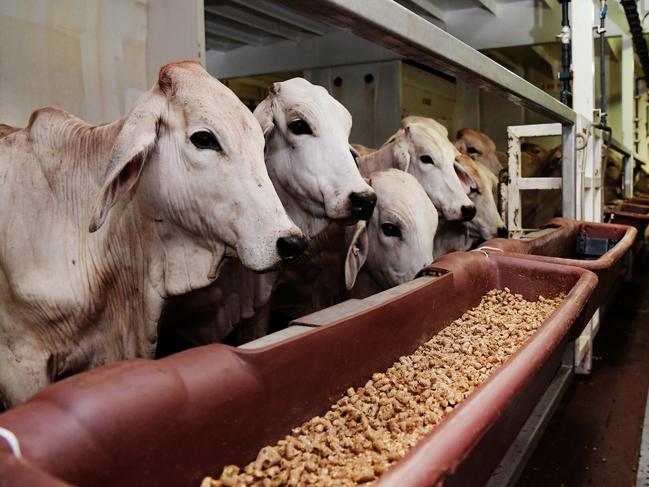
(131, 149)
(264, 111)
(468, 183)
(356, 254)
(401, 157)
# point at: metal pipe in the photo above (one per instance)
(565, 75)
(602, 62)
(636, 115)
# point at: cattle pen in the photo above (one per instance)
(324, 242)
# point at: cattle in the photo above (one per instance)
(314, 172)
(430, 157)
(613, 174)
(640, 179)
(480, 184)
(101, 224)
(479, 147)
(538, 206)
(388, 250)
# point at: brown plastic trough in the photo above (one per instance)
(559, 247)
(638, 200)
(630, 214)
(172, 421)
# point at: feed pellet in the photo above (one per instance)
(371, 427)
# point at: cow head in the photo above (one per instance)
(613, 170)
(422, 149)
(479, 183)
(191, 156)
(397, 242)
(479, 147)
(309, 158)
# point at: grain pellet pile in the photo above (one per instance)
(373, 426)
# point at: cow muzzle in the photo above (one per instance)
(468, 212)
(362, 204)
(290, 248)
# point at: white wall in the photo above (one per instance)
(90, 57)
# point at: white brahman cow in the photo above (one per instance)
(430, 157)
(310, 164)
(538, 206)
(388, 250)
(480, 183)
(479, 147)
(100, 224)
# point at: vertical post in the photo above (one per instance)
(514, 218)
(627, 88)
(583, 88)
(569, 172)
(583, 59)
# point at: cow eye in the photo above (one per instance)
(390, 230)
(473, 150)
(205, 140)
(475, 189)
(426, 159)
(299, 127)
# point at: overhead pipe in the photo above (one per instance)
(565, 75)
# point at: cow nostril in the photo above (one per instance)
(290, 248)
(502, 232)
(468, 212)
(363, 204)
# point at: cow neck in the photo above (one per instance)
(380, 160)
(451, 236)
(183, 262)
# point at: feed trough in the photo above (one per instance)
(598, 247)
(638, 200)
(633, 215)
(173, 421)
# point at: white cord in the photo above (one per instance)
(12, 440)
(485, 249)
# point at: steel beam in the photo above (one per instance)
(404, 32)
(258, 22)
(620, 147)
(283, 14)
(222, 29)
(427, 7)
(489, 5)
